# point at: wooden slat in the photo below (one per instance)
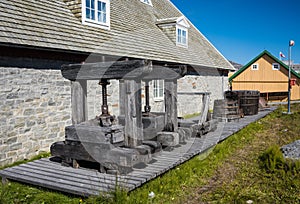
(50, 183)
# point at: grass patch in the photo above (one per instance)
(188, 116)
(41, 155)
(246, 166)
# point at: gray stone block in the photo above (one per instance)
(182, 139)
(184, 134)
(168, 139)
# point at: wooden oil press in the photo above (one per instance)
(117, 148)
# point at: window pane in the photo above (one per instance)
(179, 35)
(179, 32)
(93, 4)
(103, 7)
(183, 40)
(104, 18)
(92, 14)
(87, 13)
(87, 3)
(161, 83)
(161, 92)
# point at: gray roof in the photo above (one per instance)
(236, 65)
(133, 32)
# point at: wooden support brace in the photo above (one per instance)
(171, 105)
(122, 95)
(79, 101)
(204, 109)
(133, 113)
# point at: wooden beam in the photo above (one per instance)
(133, 113)
(79, 101)
(129, 69)
(166, 72)
(171, 105)
(106, 70)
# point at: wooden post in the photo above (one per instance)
(79, 101)
(204, 109)
(171, 105)
(133, 114)
(122, 95)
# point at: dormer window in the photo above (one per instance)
(181, 36)
(96, 13)
(176, 29)
(147, 2)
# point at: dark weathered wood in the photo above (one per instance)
(122, 95)
(133, 114)
(166, 72)
(79, 101)
(57, 184)
(106, 70)
(205, 108)
(171, 123)
(82, 173)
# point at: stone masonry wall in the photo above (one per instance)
(34, 109)
(192, 103)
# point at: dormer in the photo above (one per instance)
(94, 13)
(176, 29)
(147, 2)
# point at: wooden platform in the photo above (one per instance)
(86, 182)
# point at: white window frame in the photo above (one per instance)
(273, 66)
(147, 2)
(179, 40)
(95, 22)
(255, 69)
(158, 90)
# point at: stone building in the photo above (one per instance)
(37, 37)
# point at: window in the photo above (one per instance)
(276, 66)
(147, 2)
(254, 67)
(96, 13)
(181, 36)
(158, 89)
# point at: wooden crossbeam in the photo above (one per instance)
(106, 70)
(130, 69)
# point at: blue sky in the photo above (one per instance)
(242, 29)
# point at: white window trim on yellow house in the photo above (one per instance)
(255, 67)
(275, 66)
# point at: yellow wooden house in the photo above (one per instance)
(268, 75)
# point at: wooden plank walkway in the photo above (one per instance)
(86, 182)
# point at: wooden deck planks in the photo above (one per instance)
(86, 182)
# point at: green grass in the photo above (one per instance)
(41, 155)
(243, 167)
(188, 116)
